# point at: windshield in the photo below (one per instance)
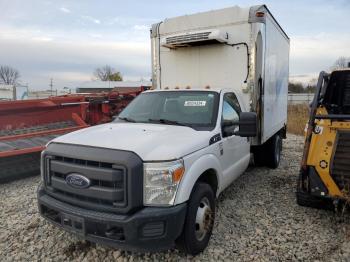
(190, 108)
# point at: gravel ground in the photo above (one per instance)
(257, 219)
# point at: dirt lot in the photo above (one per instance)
(257, 219)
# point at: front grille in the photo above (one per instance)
(116, 177)
(107, 190)
(188, 38)
(340, 168)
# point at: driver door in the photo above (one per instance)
(236, 149)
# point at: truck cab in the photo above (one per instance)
(160, 165)
(149, 179)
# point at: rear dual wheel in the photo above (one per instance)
(269, 154)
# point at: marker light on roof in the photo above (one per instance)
(259, 14)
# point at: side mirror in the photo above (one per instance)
(247, 124)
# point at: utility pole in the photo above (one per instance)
(51, 85)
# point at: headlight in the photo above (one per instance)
(161, 181)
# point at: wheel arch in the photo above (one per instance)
(206, 169)
(210, 177)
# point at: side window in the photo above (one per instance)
(231, 108)
(231, 98)
(229, 113)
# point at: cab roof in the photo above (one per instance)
(184, 90)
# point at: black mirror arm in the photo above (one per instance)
(229, 130)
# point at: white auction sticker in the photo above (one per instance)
(195, 103)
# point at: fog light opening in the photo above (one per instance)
(115, 233)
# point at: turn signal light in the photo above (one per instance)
(177, 174)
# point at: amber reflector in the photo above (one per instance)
(260, 14)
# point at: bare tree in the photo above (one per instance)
(341, 62)
(9, 75)
(107, 73)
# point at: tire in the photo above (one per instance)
(274, 149)
(201, 208)
(269, 154)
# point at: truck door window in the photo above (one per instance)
(231, 98)
(230, 109)
(229, 113)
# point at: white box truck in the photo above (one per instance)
(148, 180)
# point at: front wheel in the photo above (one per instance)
(199, 220)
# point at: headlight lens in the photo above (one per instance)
(161, 181)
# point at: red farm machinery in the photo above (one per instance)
(26, 126)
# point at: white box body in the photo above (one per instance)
(228, 48)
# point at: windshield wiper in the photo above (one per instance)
(127, 119)
(168, 122)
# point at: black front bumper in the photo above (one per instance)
(149, 229)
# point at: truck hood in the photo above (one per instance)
(151, 142)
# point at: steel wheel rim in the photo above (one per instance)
(203, 219)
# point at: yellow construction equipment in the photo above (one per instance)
(324, 179)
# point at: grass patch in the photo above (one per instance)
(298, 115)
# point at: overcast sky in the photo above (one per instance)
(67, 40)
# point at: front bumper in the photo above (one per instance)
(149, 229)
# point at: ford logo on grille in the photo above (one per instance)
(77, 181)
